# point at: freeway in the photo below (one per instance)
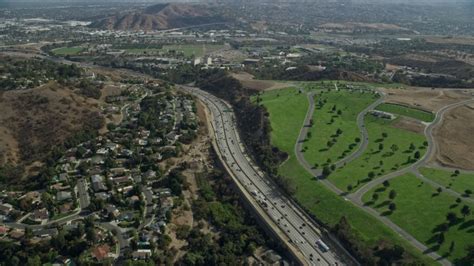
(300, 232)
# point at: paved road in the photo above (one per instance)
(124, 244)
(83, 195)
(299, 230)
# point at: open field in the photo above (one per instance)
(406, 111)
(67, 51)
(374, 162)
(324, 132)
(424, 98)
(422, 211)
(455, 138)
(459, 183)
(249, 82)
(312, 195)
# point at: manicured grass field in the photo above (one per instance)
(420, 210)
(374, 162)
(459, 183)
(406, 111)
(324, 142)
(329, 208)
(68, 51)
(287, 112)
(288, 109)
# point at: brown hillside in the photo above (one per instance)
(159, 17)
(34, 120)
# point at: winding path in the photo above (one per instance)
(356, 197)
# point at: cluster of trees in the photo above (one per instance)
(238, 234)
(31, 73)
(72, 243)
(90, 89)
(382, 253)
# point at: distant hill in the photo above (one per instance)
(160, 17)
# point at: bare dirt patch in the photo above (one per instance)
(249, 82)
(425, 98)
(409, 124)
(455, 139)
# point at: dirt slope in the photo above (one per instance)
(34, 120)
(455, 138)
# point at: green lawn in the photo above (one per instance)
(287, 112)
(288, 109)
(324, 132)
(374, 162)
(420, 210)
(63, 51)
(406, 111)
(459, 183)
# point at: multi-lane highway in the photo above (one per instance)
(300, 233)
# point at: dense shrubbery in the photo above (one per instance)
(33, 72)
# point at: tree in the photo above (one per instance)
(394, 148)
(441, 238)
(384, 135)
(456, 172)
(375, 197)
(417, 155)
(349, 187)
(326, 171)
(380, 146)
(451, 217)
(470, 254)
(412, 147)
(465, 211)
(357, 140)
(386, 183)
(371, 174)
(309, 135)
(392, 194)
(392, 207)
(338, 131)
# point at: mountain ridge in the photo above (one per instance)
(159, 17)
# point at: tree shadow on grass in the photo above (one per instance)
(381, 189)
(433, 240)
(386, 213)
(383, 204)
(369, 203)
(466, 224)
